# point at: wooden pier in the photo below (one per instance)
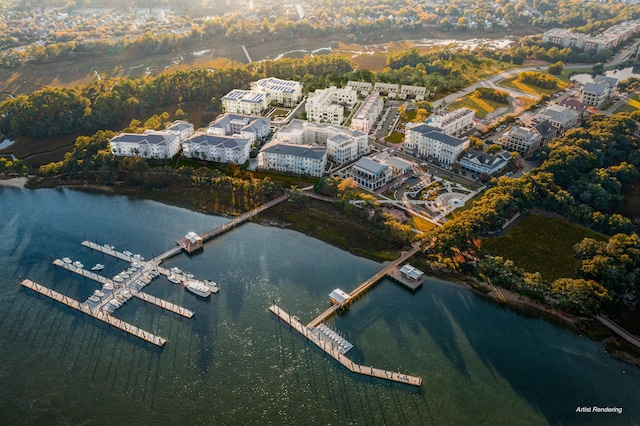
(98, 313)
(335, 353)
(163, 304)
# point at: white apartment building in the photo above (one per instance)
(281, 92)
(608, 39)
(246, 102)
(245, 126)
(326, 105)
(222, 149)
(600, 92)
(152, 143)
(369, 173)
(157, 145)
(412, 92)
(561, 118)
(343, 144)
(389, 90)
(521, 139)
(455, 122)
(292, 158)
(430, 142)
(363, 88)
(367, 114)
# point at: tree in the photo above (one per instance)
(556, 68)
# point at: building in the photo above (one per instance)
(343, 144)
(246, 102)
(455, 122)
(151, 144)
(608, 39)
(397, 164)
(245, 126)
(562, 118)
(386, 89)
(281, 92)
(600, 92)
(293, 158)
(338, 297)
(183, 129)
(546, 130)
(522, 140)
(367, 114)
(411, 272)
(412, 92)
(363, 88)
(430, 142)
(574, 104)
(369, 173)
(221, 149)
(327, 105)
(482, 162)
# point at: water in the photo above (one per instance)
(621, 75)
(235, 363)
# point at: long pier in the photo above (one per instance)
(98, 314)
(335, 352)
(163, 304)
(364, 286)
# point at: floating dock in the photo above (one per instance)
(97, 313)
(334, 350)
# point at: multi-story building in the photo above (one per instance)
(363, 88)
(455, 122)
(152, 143)
(521, 139)
(600, 92)
(245, 126)
(430, 142)
(367, 114)
(562, 118)
(327, 105)
(609, 39)
(246, 102)
(482, 162)
(293, 158)
(343, 144)
(369, 173)
(222, 149)
(389, 90)
(412, 92)
(281, 92)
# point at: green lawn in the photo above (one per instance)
(528, 88)
(482, 107)
(542, 244)
(395, 137)
(632, 105)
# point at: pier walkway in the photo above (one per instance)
(97, 314)
(163, 304)
(365, 285)
(334, 352)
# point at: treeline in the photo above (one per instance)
(582, 179)
(109, 104)
(492, 94)
(539, 79)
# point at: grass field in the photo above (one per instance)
(395, 137)
(542, 244)
(632, 105)
(482, 107)
(527, 88)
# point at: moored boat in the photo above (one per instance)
(213, 286)
(198, 288)
(98, 267)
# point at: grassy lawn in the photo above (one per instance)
(420, 224)
(632, 105)
(482, 107)
(467, 205)
(395, 137)
(542, 244)
(513, 83)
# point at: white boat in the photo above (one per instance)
(98, 267)
(98, 293)
(176, 270)
(138, 257)
(78, 265)
(118, 279)
(107, 287)
(93, 299)
(213, 286)
(127, 253)
(173, 279)
(188, 275)
(66, 260)
(109, 246)
(115, 303)
(198, 288)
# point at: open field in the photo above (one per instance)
(632, 105)
(513, 83)
(482, 107)
(542, 244)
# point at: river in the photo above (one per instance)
(235, 363)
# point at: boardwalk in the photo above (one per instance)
(98, 314)
(163, 304)
(336, 354)
(619, 330)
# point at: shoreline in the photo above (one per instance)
(14, 182)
